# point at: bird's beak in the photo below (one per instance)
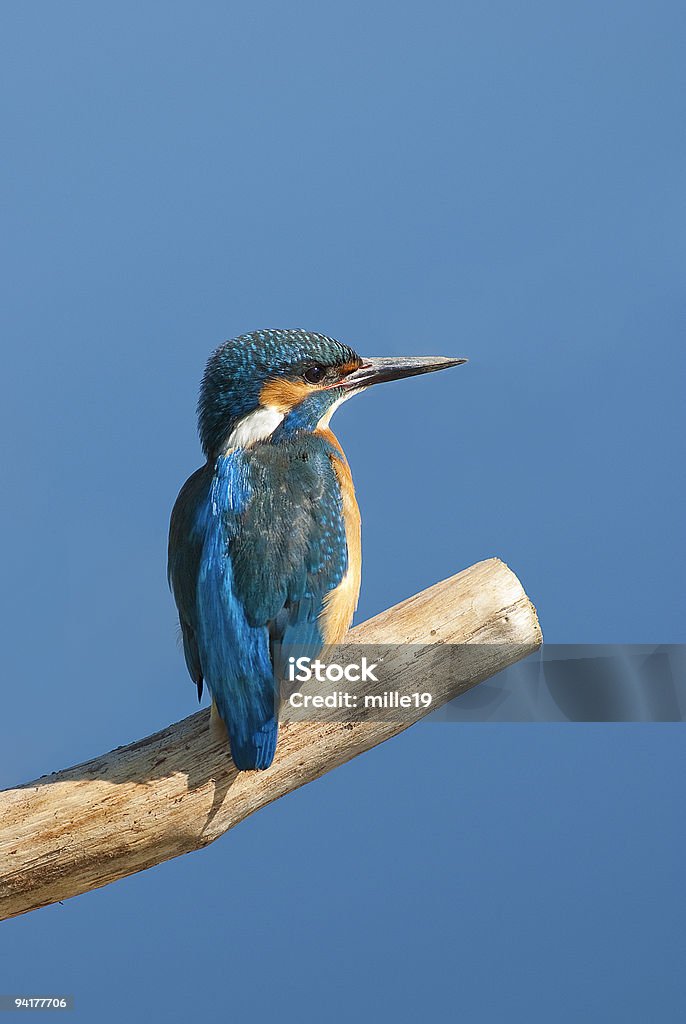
(376, 371)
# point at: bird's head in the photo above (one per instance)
(287, 380)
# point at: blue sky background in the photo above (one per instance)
(502, 181)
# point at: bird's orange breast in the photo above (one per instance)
(341, 602)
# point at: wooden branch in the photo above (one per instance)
(177, 791)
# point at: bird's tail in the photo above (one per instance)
(252, 729)
(255, 750)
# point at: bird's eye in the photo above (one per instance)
(314, 374)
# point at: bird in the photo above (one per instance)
(265, 538)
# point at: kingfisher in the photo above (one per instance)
(264, 540)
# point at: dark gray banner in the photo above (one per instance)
(559, 683)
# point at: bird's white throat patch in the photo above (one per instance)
(261, 423)
(256, 426)
(326, 418)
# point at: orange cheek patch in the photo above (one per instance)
(284, 395)
(350, 367)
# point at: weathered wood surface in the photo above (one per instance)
(177, 790)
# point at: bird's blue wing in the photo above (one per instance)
(291, 548)
(186, 538)
(260, 542)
